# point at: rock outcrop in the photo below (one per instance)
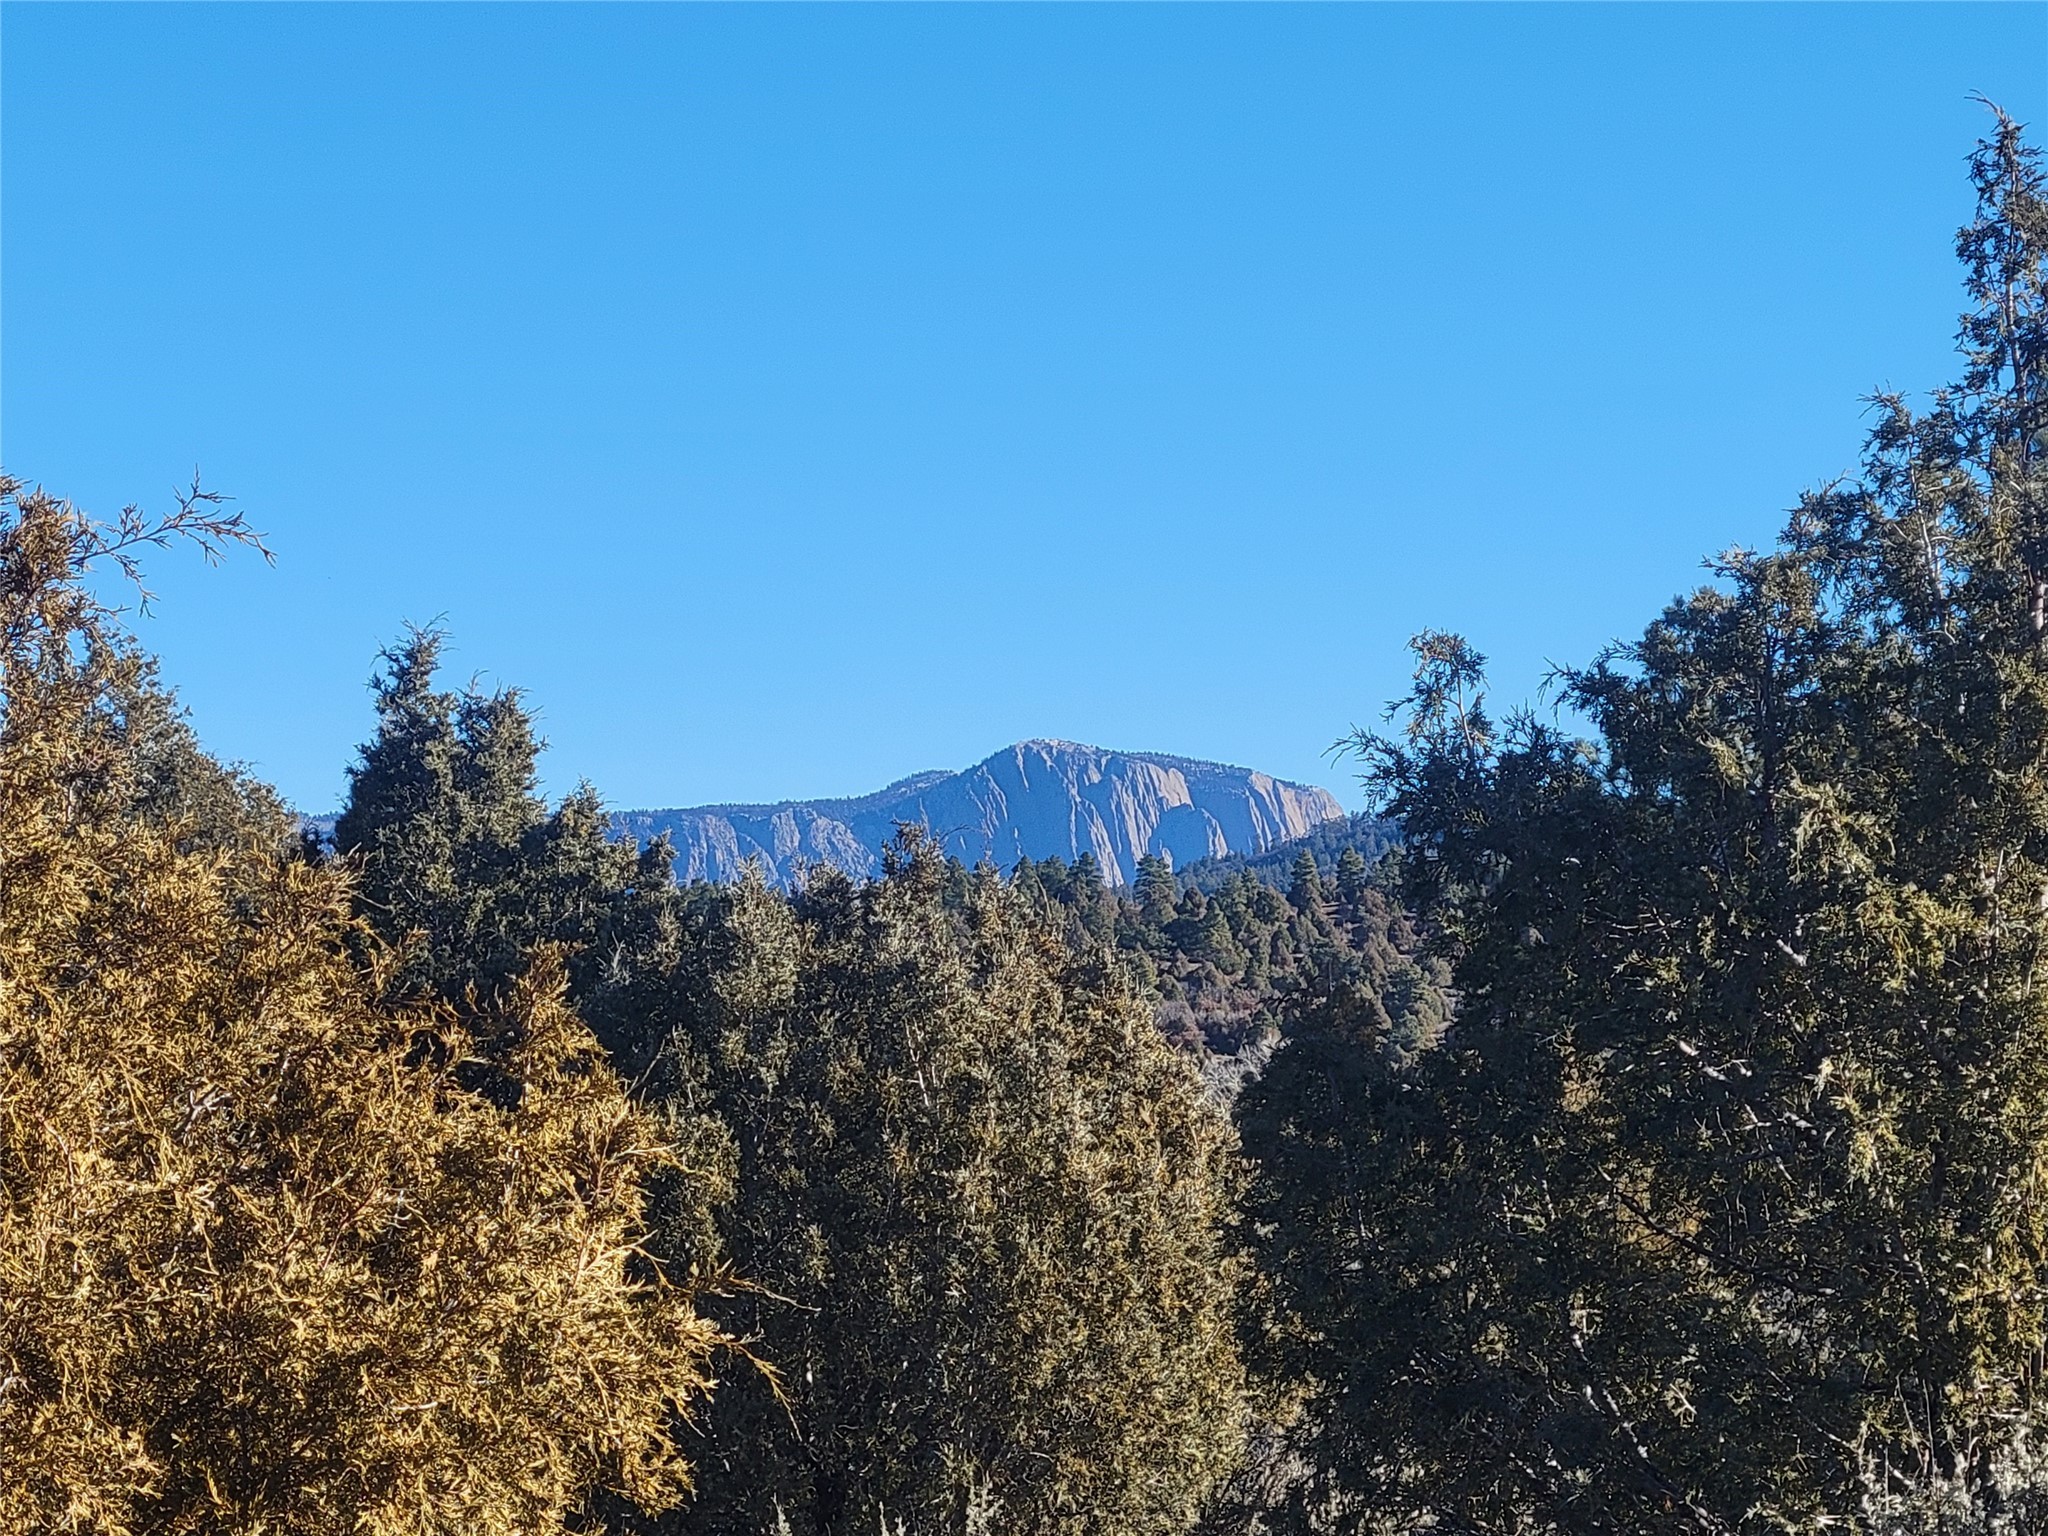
(1037, 798)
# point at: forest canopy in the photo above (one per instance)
(1635, 1127)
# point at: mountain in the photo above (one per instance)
(1037, 798)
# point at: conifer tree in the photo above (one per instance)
(266, 1263)
(1217, 944)
(1157, 890)
(460, 862)
(1723, 1206)
(1352, 876)
(462, 868)
(1305, 884)
(984, 1203)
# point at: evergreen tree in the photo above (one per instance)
(1157, 890)
(462, 868)
(983, 1202)
(462, 865)
(1025, 881)
(1352, 876)
(1218, 945)
(178, 787)
(1305, 885)
(1722, 1206)
(1221, 971)
(265, 1262)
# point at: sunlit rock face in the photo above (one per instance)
(1037, 798)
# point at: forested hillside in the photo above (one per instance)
(1222, 959)
(1652, 1138)
(1368, 835)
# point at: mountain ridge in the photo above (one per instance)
(1036, 798)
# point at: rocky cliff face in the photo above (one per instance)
(1038, 798)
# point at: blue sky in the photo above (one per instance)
(793, 398)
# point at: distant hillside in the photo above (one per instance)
(1037, 799)
(1371, 835)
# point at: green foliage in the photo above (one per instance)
(1006, 1292)
(459, 860)
(1353, 875)
(1723, 1205)
(178, 787)
(1682, 1167)
(1305, 885)
(462, 868)
(1157, 891)
(1368, 837)
(984, 1205)
(1223, 964)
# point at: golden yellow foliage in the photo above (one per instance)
(273, 1259)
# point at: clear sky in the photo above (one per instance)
(794, 398)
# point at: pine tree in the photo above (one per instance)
(1217, 944)
(1157, 890)
(1305, 885)
(1353, 876)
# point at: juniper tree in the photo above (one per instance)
(771, 1043)
(1724, 1204)
(265, 1262)
(462, 867)
(984, 1204)
(461, 862)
